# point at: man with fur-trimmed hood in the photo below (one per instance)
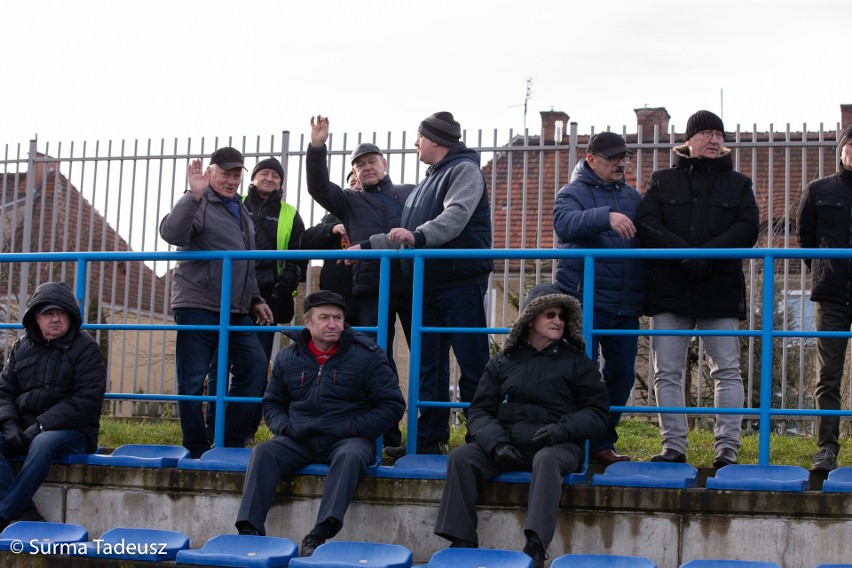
(538, 400)
(700, 202)
(51, 392)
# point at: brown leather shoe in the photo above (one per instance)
(607, 457)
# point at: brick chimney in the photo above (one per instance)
(549, 121)
(845, 115)
(647, 118)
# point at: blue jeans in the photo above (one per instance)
(450, 307)
(619, 369)
(16, 492)
(194, 352)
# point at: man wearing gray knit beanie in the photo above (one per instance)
(447, 210)
(700, 202)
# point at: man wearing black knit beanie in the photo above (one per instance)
(700, 202)
(447, 210)
(829, 227)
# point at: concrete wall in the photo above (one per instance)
(668, 526)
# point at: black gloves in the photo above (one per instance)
(508, 456)
(697, 268)
(30, 433)
(549, 435)
(13, 439)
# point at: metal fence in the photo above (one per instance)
(110, 196)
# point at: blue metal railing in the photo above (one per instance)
(418, 256)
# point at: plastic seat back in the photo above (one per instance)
(43, 533)
(479, 557)
(601, 561)
(146, 545)
(838, 481)
(747, 477)
(141, 455)
(335, 554)
(218, 459)
(242, 551)
(728, 563)
(648, 474)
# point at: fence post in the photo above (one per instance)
(766, 337)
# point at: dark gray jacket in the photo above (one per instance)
(208, 225)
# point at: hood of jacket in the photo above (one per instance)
(58, 293)
(538, 299)
(683, 160)
(584, 173)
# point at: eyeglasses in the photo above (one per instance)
(552, 314)
(615, 160)
(712, 134)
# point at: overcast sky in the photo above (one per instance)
(112, 70)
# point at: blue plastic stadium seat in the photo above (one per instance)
(45, 534)
(833, 566)
(147, 545)
(648, 474)
(335, 554)
(218, 459)
(838, 481)
(601, 561)
(243, 551)
(484, 557)
(430, 466)
(322, 469)
(748, 477)
(728, 563)
(141, 455)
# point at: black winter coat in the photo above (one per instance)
(824, 220)
(59, 383)
(523, 390)
(374, 210)
(354, 394)
(698, 203)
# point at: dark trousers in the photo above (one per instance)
(831, 354)
(368, 315)
(194, 352)
(619, 369)
(271, 460)
(469, 467)
(450, 307)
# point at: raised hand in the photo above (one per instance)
(198, 182)
(319, 130)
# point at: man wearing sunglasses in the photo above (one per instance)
(701, 202)
(598, 210)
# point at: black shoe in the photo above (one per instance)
(310, 544)
(246, 528)
(535, 550)
(462, 543)
(824, 460)
(434, 448)
(725, 456)
(669, 455)
(31, 514)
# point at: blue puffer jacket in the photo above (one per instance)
(354, 394)
(581, 220)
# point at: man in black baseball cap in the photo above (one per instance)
(211, 216)
(598, 210)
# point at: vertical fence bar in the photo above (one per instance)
(222, 357)
(415, 353)
(766, 337)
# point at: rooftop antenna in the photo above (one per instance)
(527, 100)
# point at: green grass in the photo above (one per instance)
(639, 439)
